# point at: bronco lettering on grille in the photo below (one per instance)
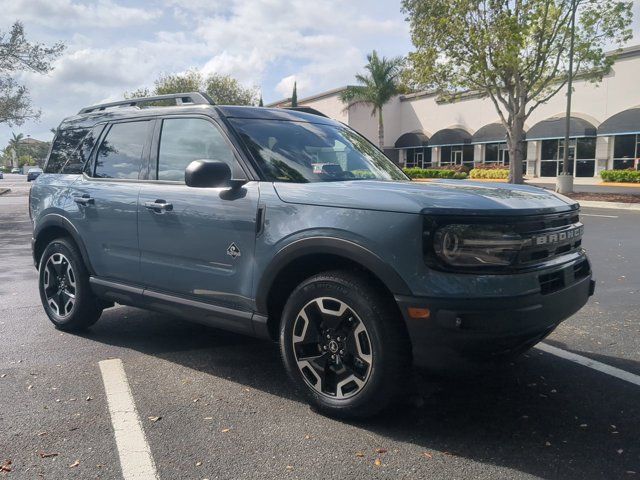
(551, 238)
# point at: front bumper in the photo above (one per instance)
(485, 328)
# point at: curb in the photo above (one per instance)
(612, 205)
(4, 190)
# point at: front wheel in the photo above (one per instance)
(64, 287)
(344, 345)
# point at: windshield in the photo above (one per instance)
(301, 152)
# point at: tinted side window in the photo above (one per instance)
(120, 153)
(184, 140)
(64, 145)
(78, 159)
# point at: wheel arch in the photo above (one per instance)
(56, 226)
(306, 257)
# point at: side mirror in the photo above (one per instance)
(207, 174)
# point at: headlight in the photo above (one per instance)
(477, 245)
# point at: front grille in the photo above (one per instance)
(554, 281)
(545, 238)
(551, 236)
(551, 282)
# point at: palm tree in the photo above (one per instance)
(14, 144)
(377, 87)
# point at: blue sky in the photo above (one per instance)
(115, 46)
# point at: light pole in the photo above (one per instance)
(564, 182)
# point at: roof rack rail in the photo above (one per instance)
(310, 110)
(189, 98)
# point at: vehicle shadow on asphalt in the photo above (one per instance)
(539, 415)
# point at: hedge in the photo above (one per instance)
(625, 176)
(489, 173)
(434, 173)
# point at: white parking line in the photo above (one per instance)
(596, 215)
(593, 364)
(133, 449)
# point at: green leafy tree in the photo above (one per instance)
(26, 160)
(15, 145)
(514, 52)
(379, 85)
(19, 55)
(294, 95)
(224, 89)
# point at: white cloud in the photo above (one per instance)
(67, 13)
(268, 43)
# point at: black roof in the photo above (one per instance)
(627, 121)
(412, 139)
(493, 132)
(555, 128)
(450, 136)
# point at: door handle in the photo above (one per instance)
(84, 199)
(159, 206)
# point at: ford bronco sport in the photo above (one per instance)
(290, 226)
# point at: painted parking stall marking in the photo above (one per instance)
(135, 455)
(593, 364)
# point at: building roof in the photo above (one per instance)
(494, 132)
(329, 93)
(412, 139)
(450, 136)
(627, 121)
(555, 128)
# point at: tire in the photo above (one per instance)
(64, 288)
(341, 314)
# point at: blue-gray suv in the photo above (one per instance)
(287, 225)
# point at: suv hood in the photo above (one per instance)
(455, 196)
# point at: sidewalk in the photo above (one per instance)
(587, 185)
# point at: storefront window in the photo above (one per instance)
(491, 153)
(552, 156)
(418, 157)
(468, 153)
(626, 148)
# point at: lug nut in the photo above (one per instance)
(328, 336)
(341, 352)
(324, 347)
(333, 357)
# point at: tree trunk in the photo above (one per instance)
(516, 145)
(380, 130)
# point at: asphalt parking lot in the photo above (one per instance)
(218, 405)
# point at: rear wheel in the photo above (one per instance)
(344, 345)
(64, 287)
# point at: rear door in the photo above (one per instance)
(196, 242)
(106, 200)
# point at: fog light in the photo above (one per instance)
(421, 313)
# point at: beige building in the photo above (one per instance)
(423, 130)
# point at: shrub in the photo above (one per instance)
(363, 174)
(625, 176)
(434, 173)
(489, 166)
(489, 173)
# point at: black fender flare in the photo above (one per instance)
(59, 221)
(333, 246)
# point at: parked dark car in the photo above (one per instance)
(292, 227)
(33, 173)
(1, 175)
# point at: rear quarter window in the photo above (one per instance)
(71, 150)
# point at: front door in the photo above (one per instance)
(196, 242)
(456, 157)
(105, 198)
